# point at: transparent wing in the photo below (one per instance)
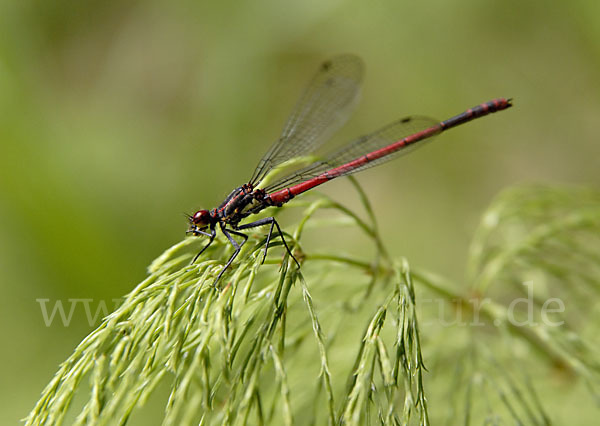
(323, 108)
(381, 139)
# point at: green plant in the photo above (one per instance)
(276, 345)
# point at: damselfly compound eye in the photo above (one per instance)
(201, 218)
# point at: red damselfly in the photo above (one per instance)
(324, 107)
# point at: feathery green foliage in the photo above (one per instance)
(528, 309)
(253, 350)
(339, 341)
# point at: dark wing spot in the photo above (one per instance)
(326, 65)
(406, 120)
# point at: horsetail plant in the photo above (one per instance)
(343, 340)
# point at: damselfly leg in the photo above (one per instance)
(273, 223)
(229, 233)
(212, 235)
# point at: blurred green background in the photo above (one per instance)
(118, 116)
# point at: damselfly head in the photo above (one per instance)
(200, 219)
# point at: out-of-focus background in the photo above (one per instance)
(118, 116)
